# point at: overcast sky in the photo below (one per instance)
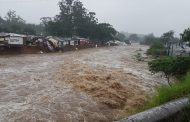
(135, 16)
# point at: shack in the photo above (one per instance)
(66, 44)
(3, 39)
(12, 39)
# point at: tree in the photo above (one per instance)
(2, 22)
(64, 19)
(134, 37)
(121, 37)
(75, 20)
(164, 65)
(106, 32)
(45, 20)
(150, 39)
(186, 35)
(156, 49)
(13, 18)
(15, 24)
(167, 37)
(170, 66)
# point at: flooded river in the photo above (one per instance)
(92, 85)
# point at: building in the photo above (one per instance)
(12, 39)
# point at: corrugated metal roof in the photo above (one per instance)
(17, 35)
(11, 34)
(4, 34)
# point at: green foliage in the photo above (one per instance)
(156, 49)
(75, 20)
(167, 37)
(133, 37)
(169, 40)
(164, 65)
(181, 65)
(170, 66)
(157, 45)
(121, 37)
(105, 32)
(166, 93)
(186, 35)
(150, 40)
(15, 24)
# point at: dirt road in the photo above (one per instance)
(88, 85)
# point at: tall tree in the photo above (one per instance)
(150, 39)
(65, 18)
(186, 35)
(15, 24)
(133, 37)
(106, 32)
(75, 20)
(13, 18)
(121, 36)
(167, 37)
(2, 22)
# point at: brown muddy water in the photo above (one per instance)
(92, 85)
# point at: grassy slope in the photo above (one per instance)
(167, 93)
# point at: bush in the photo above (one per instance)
(156, 49)
(149, 40)
(181, 65)
(170, 66)
(127, 41)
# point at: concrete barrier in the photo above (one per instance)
(159, 113)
